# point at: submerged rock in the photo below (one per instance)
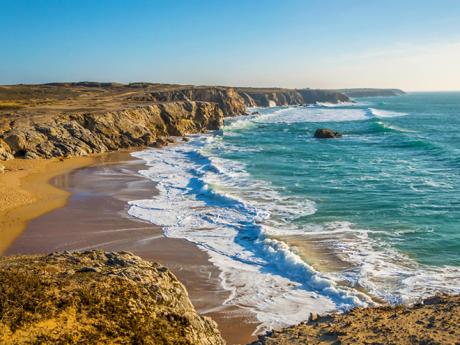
(96, 297)
(326, 133)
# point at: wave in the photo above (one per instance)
(384, 113)
(336, 105)
(240, 221)
(316, 113)
(383, 271)
(197, 202)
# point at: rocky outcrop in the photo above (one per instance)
(80, 134)
(77, 119)
(233, 101)
(434, 321)
(96, 297)
(265, 97)
(326, 133)
(228, 100)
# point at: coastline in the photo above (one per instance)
(95, 217)
(91, 213)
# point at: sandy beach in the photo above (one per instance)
(88, 210)
(26, 194)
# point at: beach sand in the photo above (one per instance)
(95, 216)
(26, 194)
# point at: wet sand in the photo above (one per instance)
(26, 194)
(95, 216)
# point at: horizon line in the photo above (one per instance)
(227, 85)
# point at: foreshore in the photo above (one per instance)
(87, 209)
(25, 193)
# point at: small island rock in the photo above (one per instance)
(326, 133)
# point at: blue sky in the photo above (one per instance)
(413, 45)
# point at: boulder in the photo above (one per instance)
(5, 151)
(326, 133)
(160, 142)
(16, 141)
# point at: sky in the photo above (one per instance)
(408, 44)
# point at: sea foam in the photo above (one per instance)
(197, 201)
(239, 220)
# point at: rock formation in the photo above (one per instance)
(81, 134)
(96, 297)
(228, 100)
(265, 97)
(434, 321)
(77, 119)
(326, 133)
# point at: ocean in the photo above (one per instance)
(299, 225)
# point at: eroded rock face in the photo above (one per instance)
(77, 119)
(96, 297)
(228, 100)
(265, 97)
(80, 134)
(326, 133)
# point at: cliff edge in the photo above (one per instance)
(436, 320)
(78, 119)
(96, 297)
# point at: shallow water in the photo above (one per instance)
(383, 202)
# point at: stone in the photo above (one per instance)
(326, 133)
(432, 300)
(16, 142)
(160, 142)
(31, 155)
(313, 317)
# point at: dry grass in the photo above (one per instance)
(48, 300)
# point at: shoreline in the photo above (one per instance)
(26, 194)
(95, 217)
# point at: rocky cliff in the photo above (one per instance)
(436, 320)
(76, 119)
(233, 101)
(265, 97)
(96, 297)
(84, 133)
(228, 100)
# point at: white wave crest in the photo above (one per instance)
(204, 199)
(385, 113)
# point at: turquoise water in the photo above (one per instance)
(395, 171)
(298, 225)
